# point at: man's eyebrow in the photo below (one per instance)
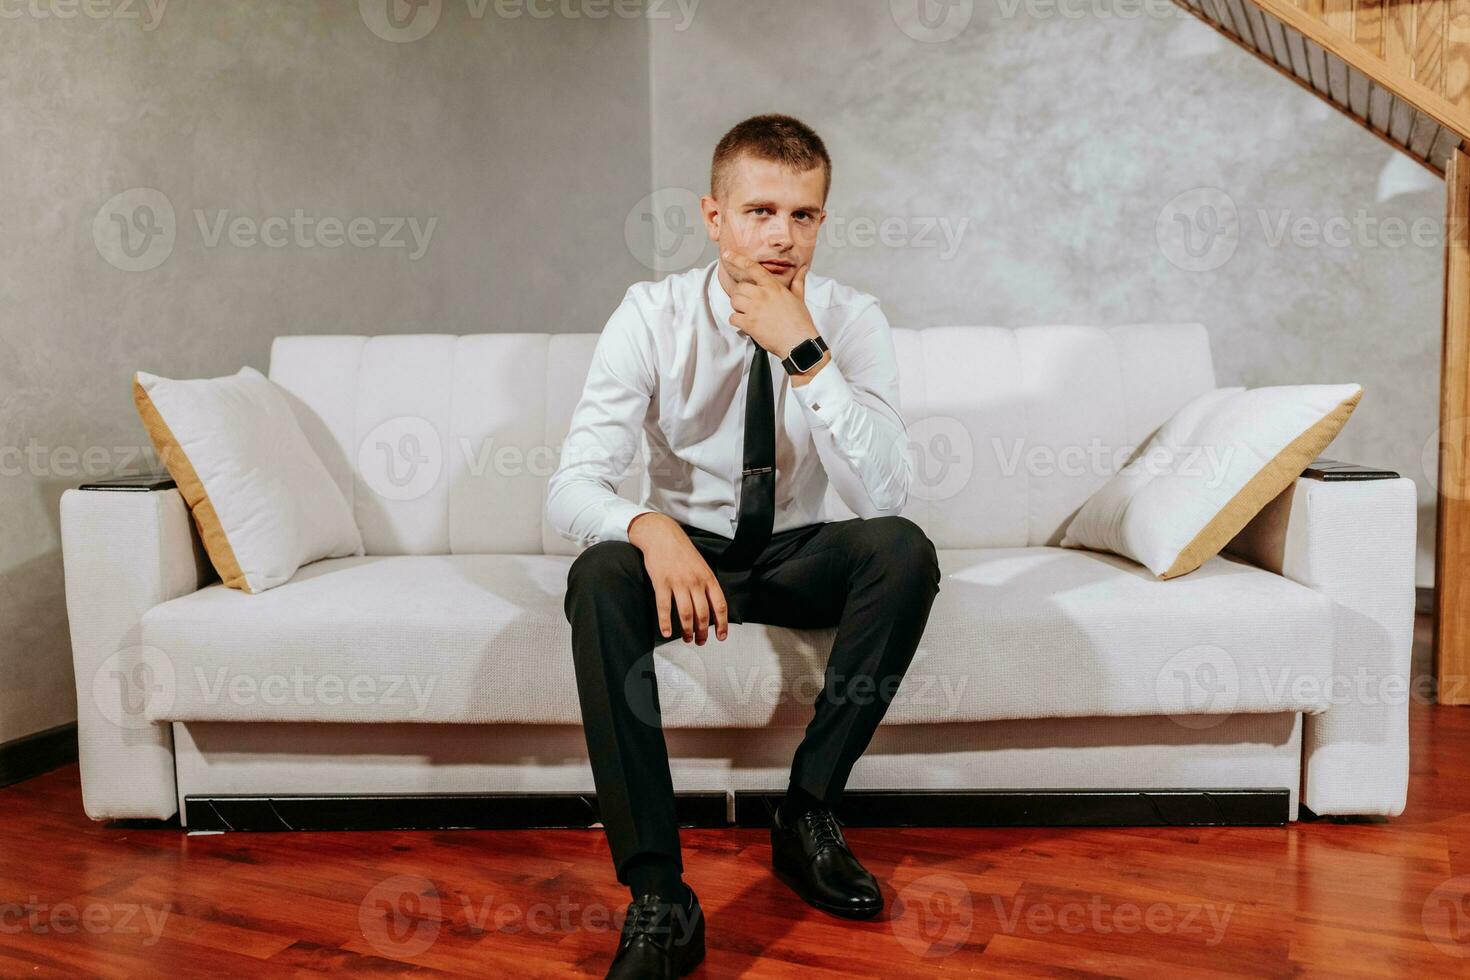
(772, 205)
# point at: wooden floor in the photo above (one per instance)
(1317, 899)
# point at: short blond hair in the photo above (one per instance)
(779, 139)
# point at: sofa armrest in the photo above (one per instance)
(1349, 532)
(126, 546)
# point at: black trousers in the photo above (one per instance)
(873, 579)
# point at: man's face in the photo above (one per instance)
(769, 213)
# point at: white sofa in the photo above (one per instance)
(440, 663)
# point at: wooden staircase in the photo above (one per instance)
(1399, 67)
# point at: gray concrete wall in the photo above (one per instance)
(502, 139)
(1008, 165)
(1035, 166)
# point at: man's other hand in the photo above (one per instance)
(680, 576)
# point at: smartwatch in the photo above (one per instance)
(804, 356)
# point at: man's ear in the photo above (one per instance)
(710, 208)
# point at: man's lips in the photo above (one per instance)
(778, 265)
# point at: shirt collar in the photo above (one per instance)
(719, 304)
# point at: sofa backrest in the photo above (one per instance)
(444, 444)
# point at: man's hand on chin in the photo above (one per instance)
(773, 315)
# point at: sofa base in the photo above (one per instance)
(860, 808)
(274, 760)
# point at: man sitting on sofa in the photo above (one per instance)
(732, 529)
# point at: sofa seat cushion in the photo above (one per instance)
(1015, 633)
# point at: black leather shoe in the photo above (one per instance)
(811, 855)
(660, 940)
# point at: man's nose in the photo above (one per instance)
(779, 233)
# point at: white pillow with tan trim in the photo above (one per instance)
(1208, 471)
(261, 497)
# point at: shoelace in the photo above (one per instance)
(824, 829)
(643, 918)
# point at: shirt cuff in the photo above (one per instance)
(620, 514)
(826, 396)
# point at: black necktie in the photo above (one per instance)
(758, 477)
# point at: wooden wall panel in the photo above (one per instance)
(1452, 554)
(1457, 53)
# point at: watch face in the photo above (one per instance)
(805, 355)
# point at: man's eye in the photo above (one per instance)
(762, 210)
(803, 216)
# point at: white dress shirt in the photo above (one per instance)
(670, 364)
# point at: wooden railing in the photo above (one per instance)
(1399, 67)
